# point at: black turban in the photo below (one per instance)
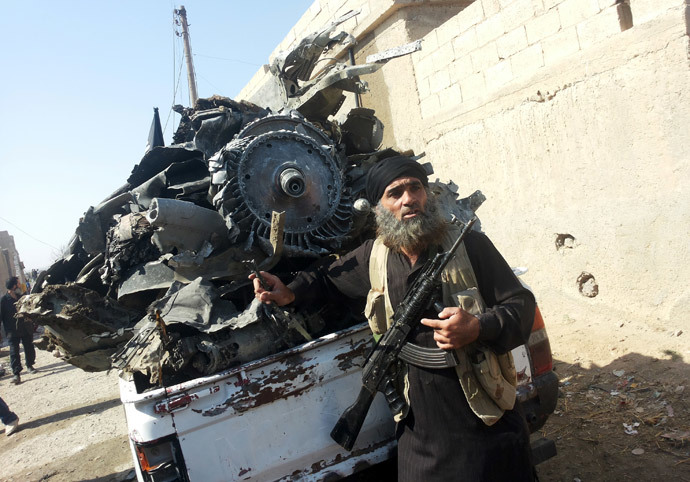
(388, 170)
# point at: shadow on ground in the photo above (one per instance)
(117, 477)
(76, 412)
(628, 420)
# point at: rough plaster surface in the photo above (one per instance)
(606, 160)
(594, 145)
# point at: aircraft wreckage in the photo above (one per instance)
(155, 281)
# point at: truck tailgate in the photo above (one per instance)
(270, 419)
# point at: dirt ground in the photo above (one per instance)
(72, 425)
(623, 414)
(624, 406)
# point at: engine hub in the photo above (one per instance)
(290, 171)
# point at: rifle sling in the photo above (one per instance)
(427, 357)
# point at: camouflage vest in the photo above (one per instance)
(488, 380)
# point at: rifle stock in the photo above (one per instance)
(350, 422)
(407, 316)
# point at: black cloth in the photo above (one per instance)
(388, 170)
(8, 312)
(505, 325)
(441, 438)
(18, 331)
(26, 339)
(6, 415)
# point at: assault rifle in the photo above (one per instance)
(375, 374)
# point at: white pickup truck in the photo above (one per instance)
(270, 419)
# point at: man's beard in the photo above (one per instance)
(413, 235)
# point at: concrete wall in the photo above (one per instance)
(10, 263)
(576, 131)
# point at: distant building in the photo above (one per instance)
(10, 264)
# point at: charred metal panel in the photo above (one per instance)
(270, 419)
(182, 225)
(274, 185)
(157, 160)
(86, 327)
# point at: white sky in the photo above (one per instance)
(78, 85)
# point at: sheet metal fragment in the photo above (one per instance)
(183, 225)
(399, 51)
(275, 182)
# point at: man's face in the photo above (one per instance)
(405, 198)
(406, 218)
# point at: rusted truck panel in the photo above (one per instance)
(265, 420)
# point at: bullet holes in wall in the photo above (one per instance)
(564, 241)
(587, 285)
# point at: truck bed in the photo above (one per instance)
(269, 419)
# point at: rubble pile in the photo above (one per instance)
(155, 280)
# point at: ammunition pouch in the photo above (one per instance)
(375, 311)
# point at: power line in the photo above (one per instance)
(176, 82)
(170, 111)
(211, 83)
(177, 85)
(229, 60)
(29, 235)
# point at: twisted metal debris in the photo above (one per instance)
(155, 279)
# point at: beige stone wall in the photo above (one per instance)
(569, 126)
(10, 263)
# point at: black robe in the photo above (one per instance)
(441, 438)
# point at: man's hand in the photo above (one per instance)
(455, 328)
(277, 292)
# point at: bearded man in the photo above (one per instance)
(451, 430)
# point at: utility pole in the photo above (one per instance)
(191, 77)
